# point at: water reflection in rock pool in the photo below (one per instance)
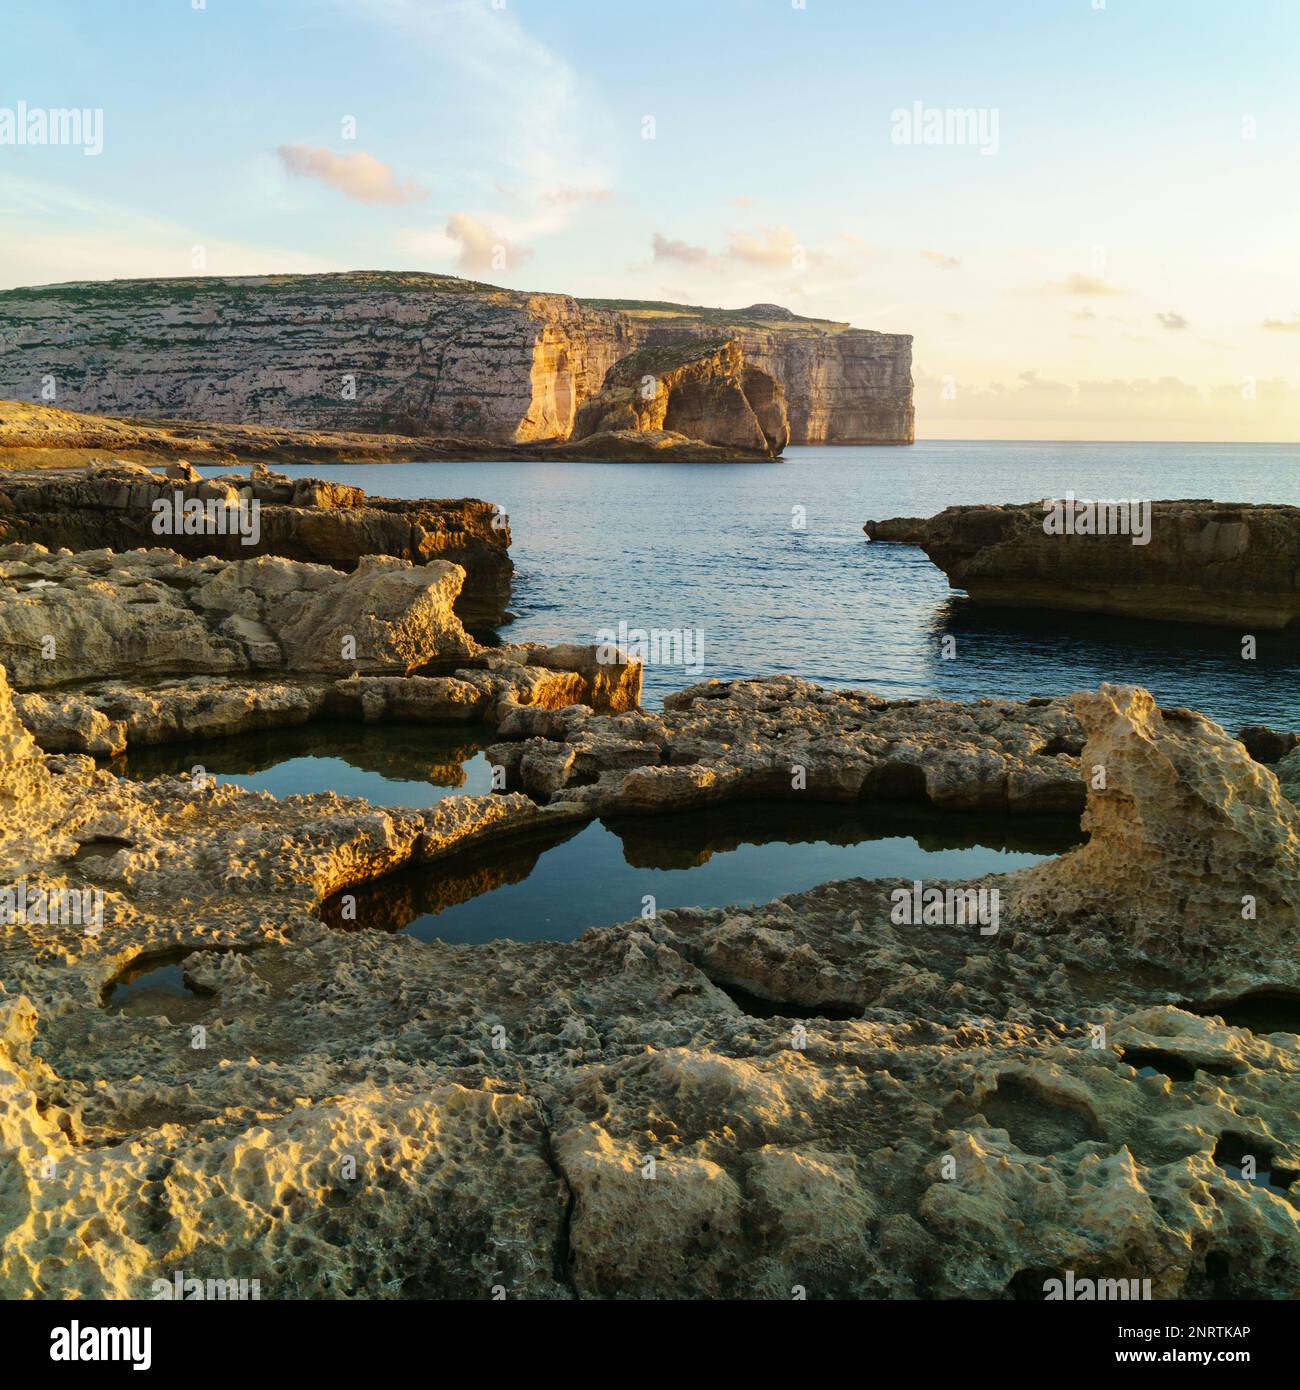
(596, 874)
(393, 766)
(555, 887)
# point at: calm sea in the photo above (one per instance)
(714, 550)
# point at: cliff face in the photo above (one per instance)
(842, 385)
(703, 390)
(412, 354)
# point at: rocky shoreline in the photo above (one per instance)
(40, 437)
(395, 1118)
(807, 1094)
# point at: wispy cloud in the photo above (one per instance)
(765, 249)
(1083, 286)
(359, 176)
(665, 249)
(937, 258)
(1291, 325)
(564, 196)
(1172, 321)
(1167, 407)
(541, 121)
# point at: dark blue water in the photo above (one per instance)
(714, 548)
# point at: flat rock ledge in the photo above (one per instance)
(1233, 564)
(148, 647)
(106, 718)
(831, 1101)
(784, 738)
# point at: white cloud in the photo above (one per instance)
(777, 247)
(1087, 286)
(482, 248)
(359, 176)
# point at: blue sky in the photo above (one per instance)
(1120, 263)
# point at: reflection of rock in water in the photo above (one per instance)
(691, 838)
(392, 903)
(415, 754)
(180, 985)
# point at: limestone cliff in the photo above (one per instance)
(702, 389)
(412, 354)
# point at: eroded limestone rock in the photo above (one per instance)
(1193, 848)
(105, 718)
(1228, 563)
(617, 1116)
(703, 390)
(149, 613)
(783, 738)
(112, 505)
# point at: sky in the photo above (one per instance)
(1084, 211)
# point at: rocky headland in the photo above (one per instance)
(1232, 564)
(453, 362)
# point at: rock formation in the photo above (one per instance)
(1267, 745)
(832, 1101)
(97, 615)
(1193, 850)
(699, 389)
(112, 505)
(39, 438)
(107, 717)
(1226, 563)
(786, 739)
(412, 354)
